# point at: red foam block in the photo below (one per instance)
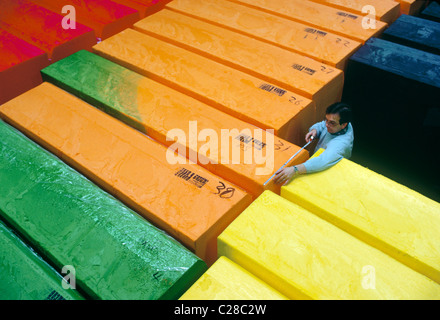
(104, 16)
(44, 29)
(20, 65)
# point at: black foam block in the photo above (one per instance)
(432, 12)
(415, 32)
(393, 89)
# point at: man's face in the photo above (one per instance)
(332, 123)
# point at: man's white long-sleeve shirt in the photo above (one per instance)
(337, 146)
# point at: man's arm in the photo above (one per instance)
(336, 150)
(327, 159)
(331, 156)
(318, 128)
(288, 173)
(311, 134)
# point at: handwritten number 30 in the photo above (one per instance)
(224, 192)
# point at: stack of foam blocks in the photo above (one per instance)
(139, 140)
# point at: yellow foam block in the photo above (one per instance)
(305, 76)
(385, 10)
(321, 16)
(226, 280)
(231, 91)
(377, 210)
(292, 35)
(304, 256)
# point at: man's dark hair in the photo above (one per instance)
(343, 109)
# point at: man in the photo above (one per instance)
(335, 135)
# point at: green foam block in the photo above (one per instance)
(26, 276)
(70, 221)
(100, 82)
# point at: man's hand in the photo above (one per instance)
(284, 175)
(311, 135)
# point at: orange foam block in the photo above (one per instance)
(20, 65)
(44, 29)
(234, 92)
(301, 38)
(321, 16)
(145, 7)
(104, 16)
(248, 98)
(384, 10)
(309, 78)
(411, 7)
(230, 148)
(182, 199)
